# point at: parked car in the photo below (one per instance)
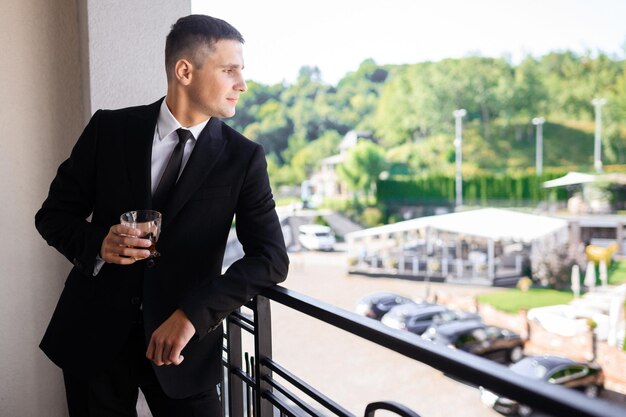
(316, 237)
(378, 304)
(473, 336)
(416, 318)
(585, 377)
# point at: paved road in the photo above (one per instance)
(352, 371)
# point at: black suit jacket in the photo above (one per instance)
(107, 174)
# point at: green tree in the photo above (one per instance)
(273, 128)
(616, 115)
(525, 98)
(251, 101)
(357, 95)
(362, 166)
(409, 109)
(307, 158)
(307, 104)
(418, 100)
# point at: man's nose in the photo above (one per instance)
(241, 85)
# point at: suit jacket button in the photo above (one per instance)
(135, 300)
(150, 263)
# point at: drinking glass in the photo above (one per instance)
(149, 222)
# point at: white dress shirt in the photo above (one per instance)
(163, 144)
(165, 140)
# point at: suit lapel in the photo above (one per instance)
(205, 154)
(138, 154)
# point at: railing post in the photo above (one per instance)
(262, 351)
(235, 385)
(392, 406)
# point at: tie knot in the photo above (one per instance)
(183, 135)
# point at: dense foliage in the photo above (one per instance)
(409, 110)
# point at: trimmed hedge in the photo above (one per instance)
(477, 189)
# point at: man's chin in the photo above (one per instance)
(228, 114)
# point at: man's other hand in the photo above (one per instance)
(169, 339)
(122, 246)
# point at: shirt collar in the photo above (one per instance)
(167, 124)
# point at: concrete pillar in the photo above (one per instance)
(574, 239)
(619, 237)
(62, 59)
(491, 264)
(123, 43)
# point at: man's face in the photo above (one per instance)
(215, 87)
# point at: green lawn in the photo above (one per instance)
(617, 272)
(513, 300)
(285, 201)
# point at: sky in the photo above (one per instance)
(337, 35)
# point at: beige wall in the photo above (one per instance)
(59, 58)
(40, 115)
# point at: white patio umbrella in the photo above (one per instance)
(590, 276)
(604, 276)
(576, 280)
(616, 317)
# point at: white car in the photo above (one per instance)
(316, 237)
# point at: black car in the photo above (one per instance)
(416, 318)
(496, 343)
(585, 377)
(378, 304)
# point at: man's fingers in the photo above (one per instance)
(120, 260)
(166, 354)
(150, 351)
(158, 354)
(123, 246)
(123, 240)
(120, 229)
(124, 250)
(175, 357)
(169, 339)
(136, 242)
(133, 253)
(124, 256)
(162, 353)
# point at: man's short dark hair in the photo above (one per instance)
(193, 36)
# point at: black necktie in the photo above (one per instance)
(170, 175)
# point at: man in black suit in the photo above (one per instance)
(125, 321)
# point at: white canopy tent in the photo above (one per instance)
(571, 178)
(489, 224)
(574, 178)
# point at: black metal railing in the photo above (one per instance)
(250, 388)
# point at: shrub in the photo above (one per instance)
(320, 220)
(553, 267)
(371, 216)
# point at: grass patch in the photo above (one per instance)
(514, 300)
(285, 201)
(617, 272)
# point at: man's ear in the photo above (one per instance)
(183, 71)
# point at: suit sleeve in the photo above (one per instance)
(264, 264)
(62, 218)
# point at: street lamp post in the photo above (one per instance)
(458, 140)
(539, 121)
(597, 160)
